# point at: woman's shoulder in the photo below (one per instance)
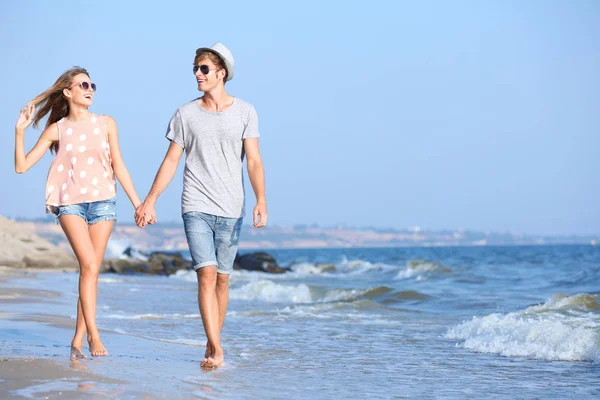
(51, 131)
(107, 118)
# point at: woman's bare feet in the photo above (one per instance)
(96, 347)
(76, 353)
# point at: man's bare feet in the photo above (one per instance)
(216, 360)
(207, 354)
(97, 349)
(76, 353)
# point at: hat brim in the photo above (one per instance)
(228, 66)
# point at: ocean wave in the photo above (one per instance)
(422, 270)
(272, 292)
(384, 294)
(307, 268)
(358, 267)
(564, 302)
(360, 312)
(563, 328)
(269, 291)
(341, 269)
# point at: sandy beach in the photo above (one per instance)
(34, 352)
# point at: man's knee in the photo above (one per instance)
(207, 276)
(222, 281)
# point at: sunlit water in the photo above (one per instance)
(497, 322)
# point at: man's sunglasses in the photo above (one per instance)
(203, 68)
(85, 86)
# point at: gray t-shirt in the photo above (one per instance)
(214, 147)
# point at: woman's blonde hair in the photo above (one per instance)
(53, 100)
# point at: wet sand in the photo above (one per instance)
(43, 378)
(35, 348)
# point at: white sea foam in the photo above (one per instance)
(151, 316)
(563, 328)
(307, 268)
(187, 342)
(343, 295)
(357, 267)
(185, 275)
(266, 290)
(109, 280)
(116, 247)
(252, 286)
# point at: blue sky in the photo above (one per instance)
(462, 114)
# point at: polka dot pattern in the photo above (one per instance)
(87, 176)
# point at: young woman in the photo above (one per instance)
(81, 186)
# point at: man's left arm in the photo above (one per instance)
(256, 173)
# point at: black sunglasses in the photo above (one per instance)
(85, 86)
(203, 68)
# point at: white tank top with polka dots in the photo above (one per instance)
(82, 170)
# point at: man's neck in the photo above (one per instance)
(216, 100)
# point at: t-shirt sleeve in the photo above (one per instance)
(175, 131)
(251, 130)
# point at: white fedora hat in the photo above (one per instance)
(223, 52)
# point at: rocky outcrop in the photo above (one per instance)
(167, 263)
(21, 248)
(158, 263)
(258, 262)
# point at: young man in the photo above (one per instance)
(216, 131)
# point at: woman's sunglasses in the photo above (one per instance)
(85, 86)
(203, 68)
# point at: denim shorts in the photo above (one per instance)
(212, 240)
(97, 211)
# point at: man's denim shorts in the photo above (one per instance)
(97, 211)
(212, 240)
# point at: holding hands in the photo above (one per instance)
(145, 214)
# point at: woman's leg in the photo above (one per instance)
(99, 234)
(76, 230)
(77, 342)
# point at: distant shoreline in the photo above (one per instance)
(171, 237)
